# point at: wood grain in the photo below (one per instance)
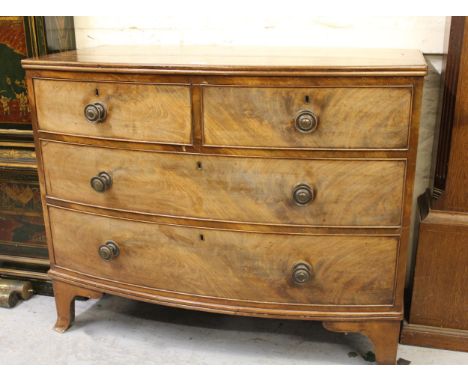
(229, 189)
(367, 187)
(440, 297)
(448, 99)
(226, 306)
(143, 112)
(236, 60)
(232, 226)
(349, 118)
(434, 337)
(232, 265)
(455, 195)
(197, 148)
(439, 305)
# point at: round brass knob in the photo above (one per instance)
(303, 194)
(95, 112)
(101, 182)
(109, 251)
(302, 273)
(306, 121)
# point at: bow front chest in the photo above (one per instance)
(252, 181)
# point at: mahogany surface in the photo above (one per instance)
(438, 315)
(200, 211)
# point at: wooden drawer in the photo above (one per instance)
(137, 112)
(257, 190)
(348, 118)
(225, 264)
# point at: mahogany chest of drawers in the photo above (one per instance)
(267, 182)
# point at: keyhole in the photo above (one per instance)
(202, 237)
(199, 166)
(306, 99)
(97, 92)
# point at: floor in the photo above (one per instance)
(119, 331)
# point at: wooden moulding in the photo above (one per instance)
(430, 336)
(254, 61)
(225, 306)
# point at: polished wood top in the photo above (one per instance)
(236, 60)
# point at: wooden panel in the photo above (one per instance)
(440, 292)
(455, 196)
(348, 192)
(140, 112)
(434, 337)
(233, 265)
(448, 99)
(439, 305)
(349, 118)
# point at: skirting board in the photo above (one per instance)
(430, 336)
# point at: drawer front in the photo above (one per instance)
(346, 118)
(225, 264)
(257, 190)
(139, 112)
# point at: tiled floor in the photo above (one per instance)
(119, 331)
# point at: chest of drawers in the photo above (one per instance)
(267, 182)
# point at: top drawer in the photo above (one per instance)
(137, 112)
(342, 118)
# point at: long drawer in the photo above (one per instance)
(257, 190)
(338, 118)
(137, 112)
(291, 269)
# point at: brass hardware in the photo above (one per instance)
(12, 290)
(8, 298)
(23, 288)
(109, 251)
(306, 121)
(302, 273)
(101, 182)
(95, 112)
(303, 194)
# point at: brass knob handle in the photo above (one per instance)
(306, 121)
(109, 251)
(101, 182)
(95, 112)
(302, 273)
(303, 194)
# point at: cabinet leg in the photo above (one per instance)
(384, 335)
(65, 303)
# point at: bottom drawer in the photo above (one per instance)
(341, 269)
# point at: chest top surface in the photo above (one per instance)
(237, 60)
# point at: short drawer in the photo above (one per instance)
(290, 269)
(319, 192)
(320, 118)
(137, 112)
